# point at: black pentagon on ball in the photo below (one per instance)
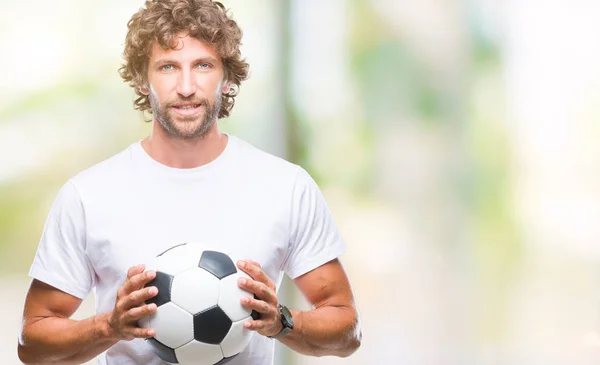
(163, 283)
(211, 326)
(217, 263)
(255, 315)
(225, 360)
(164, 352)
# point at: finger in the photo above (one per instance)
(258, 305)
(136, 298)
(251, 268)
(137, 332)
(134, 270)
(255, 325)
(261, 290)
(254, 263)
(138, 281)
(137, 313)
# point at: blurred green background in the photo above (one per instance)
(456, 142)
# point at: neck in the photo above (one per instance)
(184, 153)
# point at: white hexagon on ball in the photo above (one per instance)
(178, 259)
(173, 325)
(198, 352)
(230, 296)
(195, 290)
(236, 339)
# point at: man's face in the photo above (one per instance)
(184, 87)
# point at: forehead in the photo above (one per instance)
(187, 48)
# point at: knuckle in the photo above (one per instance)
(131, 297)
(126, 316)
(118, 305)
(131, 271)
(136, 281)
(264, 290)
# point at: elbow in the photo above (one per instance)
(24, 355)
(353, 339)
(22, 350)
(353, 343)
(28, 358)
(21, 354)
(356, 341)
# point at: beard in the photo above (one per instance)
(186, 127)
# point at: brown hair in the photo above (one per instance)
(163, 21)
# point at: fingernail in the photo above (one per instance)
(245, 300)
(150, 274)
(247, 324)
(152, 291)
(242, 281)
(241, 264)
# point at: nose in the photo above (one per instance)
(186, 85)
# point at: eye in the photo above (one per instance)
(167, 67)
(204, 66)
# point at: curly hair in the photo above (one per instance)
(163, 21)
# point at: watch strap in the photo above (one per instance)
(286, 327)
(284, 331)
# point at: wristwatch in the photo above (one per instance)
(286, 320)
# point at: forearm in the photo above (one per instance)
(325, 331)
(55, 340)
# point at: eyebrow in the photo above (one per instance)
(167, 61)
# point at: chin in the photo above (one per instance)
(192, 132)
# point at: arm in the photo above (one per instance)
(331, 328)
(48, 336)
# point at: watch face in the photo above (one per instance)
(286, 316)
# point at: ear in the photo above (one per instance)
(226, 88)
(144, 90)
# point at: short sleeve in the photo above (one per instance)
(314, 238)
(60, 260)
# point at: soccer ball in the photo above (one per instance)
(199, 318)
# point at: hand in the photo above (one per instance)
(264, 301)
(130, 307)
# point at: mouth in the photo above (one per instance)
(187, 109)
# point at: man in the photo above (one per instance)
(186, 181)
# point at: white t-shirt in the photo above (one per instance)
(129, 208)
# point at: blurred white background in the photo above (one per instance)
(456, 142)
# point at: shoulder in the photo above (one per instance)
(263, 163)
(105, 173)
(258, 170)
